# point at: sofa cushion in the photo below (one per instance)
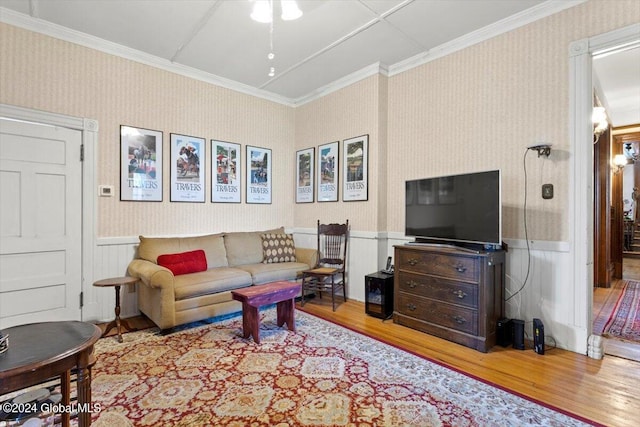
(212, 245)
(184, 262)
(210, 282)
(278, 248)
(265, 273)
(245, 247)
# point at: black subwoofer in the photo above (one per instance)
(518, 334)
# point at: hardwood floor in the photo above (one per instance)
(604, 300)
(605, 391)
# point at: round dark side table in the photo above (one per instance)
(117, 282)
(38, 351)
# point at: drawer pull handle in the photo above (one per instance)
(412, 261)
(459, 320)
(412, 284)
(460, 268)
(459, 294)
(411, 307)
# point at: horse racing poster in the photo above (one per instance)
(258, 175)
(354, 172)
(226, 172)
(140, 164)
(328, 172)
(304, 175)
(187, 168)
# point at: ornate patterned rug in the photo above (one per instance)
(320, 375)
(624, 322)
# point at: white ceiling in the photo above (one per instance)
(334, 43)
(617, 81)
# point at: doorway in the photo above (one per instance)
(84, 302)
(616, 191)
(40, 223)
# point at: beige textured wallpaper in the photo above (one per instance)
(344, 114)
(478, 109)
(43, 73)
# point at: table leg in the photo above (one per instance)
(120, 324)
(65, 390)
(286, 314)
(84, 393)
(250, 322)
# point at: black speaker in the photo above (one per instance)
(538, 336)
(518, 334)
(504, 332)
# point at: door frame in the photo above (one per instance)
(89, 130)
(581, 175)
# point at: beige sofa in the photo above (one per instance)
(233, 261)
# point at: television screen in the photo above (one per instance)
(456, 208)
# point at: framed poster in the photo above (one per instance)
(187, 169)
(258, 175)
(225, 172)
(140, 164)
(304, 175)
(328, 172)
(355, 168)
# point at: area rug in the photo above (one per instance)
(624, 322)
(320, 375)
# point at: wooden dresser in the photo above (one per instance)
(450, 293)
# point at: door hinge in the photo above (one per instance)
(81, 299)
(82, 152)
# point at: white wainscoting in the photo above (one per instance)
(548, 294)
(362, 256)
(112, 256)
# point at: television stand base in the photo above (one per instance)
(444, 246)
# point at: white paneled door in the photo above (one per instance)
(40, 223)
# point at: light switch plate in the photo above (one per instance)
(547, 191)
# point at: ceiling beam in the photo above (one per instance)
(338, 42)
(196, 29)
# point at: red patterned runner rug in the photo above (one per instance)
(320, 375)
(624, 322)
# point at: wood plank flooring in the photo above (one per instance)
(605, 391)
(604, 300)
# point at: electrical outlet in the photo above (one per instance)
(547, 191)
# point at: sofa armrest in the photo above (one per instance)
(307, 255)
(156, 292)
(151, 274)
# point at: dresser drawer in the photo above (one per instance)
(433, 287)
(437, 312)
(440, 264)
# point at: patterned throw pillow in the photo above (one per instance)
(278, 248)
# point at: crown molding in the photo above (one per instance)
(535, 13)
(510, 23)
(341, 83)
(11, 17)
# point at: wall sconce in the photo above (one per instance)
(619, 161)
(600, 123)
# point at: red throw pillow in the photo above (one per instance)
(185, 262)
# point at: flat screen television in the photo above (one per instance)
(455, 209)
